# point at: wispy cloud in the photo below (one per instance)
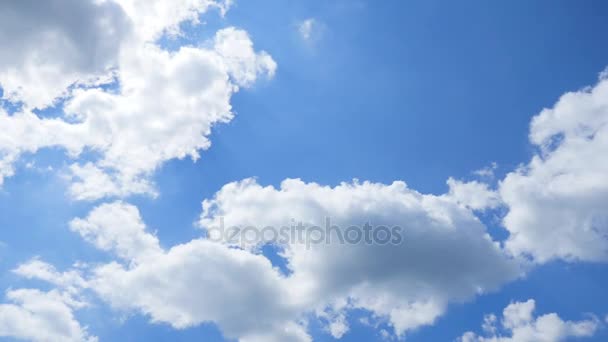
(307, 28)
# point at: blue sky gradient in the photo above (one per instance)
(418, 91)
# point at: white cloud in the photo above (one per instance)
(152, 18)
(242, 62)
(163, 108)
(167, 106)
(162, 105)
(118, 228)
(42, 317)
(474, 195)
(445, 255)
(50, 46)
(520, 325)
(557, 202)
(189, 284)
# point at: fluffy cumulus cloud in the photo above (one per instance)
(557, 202)
(519, 324)
(159, 105)
(118, 228)
(188, 284)
(441, 254)
(39, 316)
(183, 286)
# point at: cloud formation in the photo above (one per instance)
(520, 325)
(191, 283)
(557, 202)
(445, 255)
(159, 105)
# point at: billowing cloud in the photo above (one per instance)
(50, 46)
(443, 255)
(557, 202)
(189, 284)
(518, 324)
(159, 105)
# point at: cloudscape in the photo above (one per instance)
(307, 170)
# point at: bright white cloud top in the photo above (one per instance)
(127, 106)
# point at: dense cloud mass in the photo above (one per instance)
(409, 284)
(444, 255)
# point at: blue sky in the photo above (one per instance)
(418, 91)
